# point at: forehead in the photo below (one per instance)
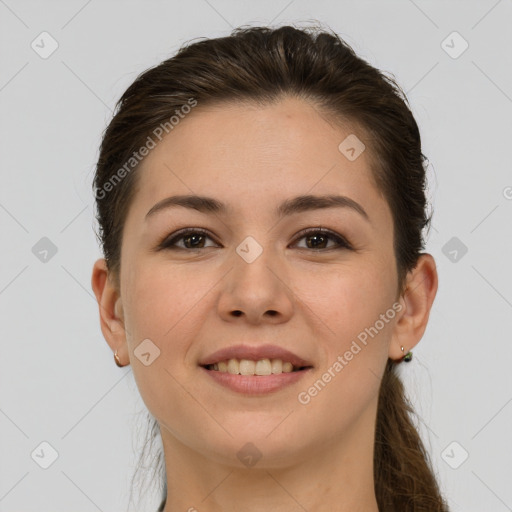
(244, 152)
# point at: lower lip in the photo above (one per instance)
(256, 384)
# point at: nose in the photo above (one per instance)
(256, 291)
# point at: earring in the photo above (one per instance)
(117, 360)
(407, 357)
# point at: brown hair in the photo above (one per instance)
(260, 64)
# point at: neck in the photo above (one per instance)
(335, 476)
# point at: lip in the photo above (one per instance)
(255, 353)
(256, 384)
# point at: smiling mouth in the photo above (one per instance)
(250, 367)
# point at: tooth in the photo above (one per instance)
(277, 366)
(263, 367)
(287, 367)
(247, 367)
(233, 366)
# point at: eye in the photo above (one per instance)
(192, 238)
(320, 236)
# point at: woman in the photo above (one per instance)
(261, 203)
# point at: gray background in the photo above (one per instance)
(58, 380)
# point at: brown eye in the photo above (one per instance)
(316, 240)
(319, 238)
(192, 239)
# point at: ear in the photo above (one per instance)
(416, 302)
(110, 308)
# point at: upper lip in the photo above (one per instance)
(255, 353)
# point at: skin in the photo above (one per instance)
(315, 456)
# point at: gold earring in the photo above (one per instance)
(117, 360)
(406, 357)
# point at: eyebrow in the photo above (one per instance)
(291, 206)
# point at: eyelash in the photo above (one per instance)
(169, 242)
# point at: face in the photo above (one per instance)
(252, 277)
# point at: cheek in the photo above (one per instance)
(358, 319)
(346, 301)
(162, 305)
(355, 340)
(158, 296)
